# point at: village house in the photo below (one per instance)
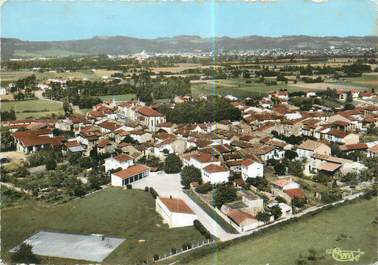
(310, 147)
(287, 188)
(215, 174)
(340, 137)
(31, 141)
(373, 151)
(122, 161)
(251, 169)
(175, 212)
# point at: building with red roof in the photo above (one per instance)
(175, 212)
(129, 175)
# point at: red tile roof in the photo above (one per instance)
(212, 168)
(176, 205)
(131, 171)
(37, 137)
(149, 112)
(238, 216)
(123, 158)
(295, 193)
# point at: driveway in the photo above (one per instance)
(169, 185)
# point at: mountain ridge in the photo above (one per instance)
(116, 45)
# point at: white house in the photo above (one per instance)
(121, 161)
(251, 169)
(141, 136)
(200, 160)
(215, 174)
(309, 147)
(129, 175)
(175, 212)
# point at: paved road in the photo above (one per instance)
(169, 185)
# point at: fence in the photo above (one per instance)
(192, 247)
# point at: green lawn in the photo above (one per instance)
(349, 227)
(35, 108)
(124, 97)
(236, 87)
(128, 214)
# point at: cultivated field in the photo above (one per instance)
(128, 214)
(349, 227)
(235, 87)
(35, 108)
(11, 76)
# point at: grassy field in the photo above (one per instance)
(128, 214)
(124, 97)
(35, 108)
(235, 87)
(11, 76)
(349, 227)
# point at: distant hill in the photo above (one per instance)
(15, 48)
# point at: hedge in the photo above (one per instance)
(202, 229)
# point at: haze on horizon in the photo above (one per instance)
(67, 20)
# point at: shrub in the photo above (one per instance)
(156, 257)
(154, 193)
(24, 255)
(173, 251)
(200, 227)
(129, 186)
(146, 189)
(204, 188)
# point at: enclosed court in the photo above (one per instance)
(93, 247)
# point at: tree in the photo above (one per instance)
(290, 155)
(330, 196)
(349, 102)
(322, 178)
(276, 211)
(172, 164)
(51, 164)
(24, 255)
(223, 193)
(298, 202)
(263, 217)
(280, 169)
(190, 174)
(296, 168)
(67, 107)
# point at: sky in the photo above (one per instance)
(66, 20)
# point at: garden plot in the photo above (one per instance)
(72, 246)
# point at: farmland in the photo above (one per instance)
(11, 76)
(113, 212)
(349, 227)
(235, 87)
(35, 108)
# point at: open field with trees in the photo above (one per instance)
(350, 227)
(113, 212)
(35, 108)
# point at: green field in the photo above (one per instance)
(115, 212)
(349, 227)
(124, 97)
(35, 108)
(11, 76)
(236, 87)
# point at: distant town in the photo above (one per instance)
(154, 157)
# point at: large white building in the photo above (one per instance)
(175, 212)
(129, 175)
(215, 174)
